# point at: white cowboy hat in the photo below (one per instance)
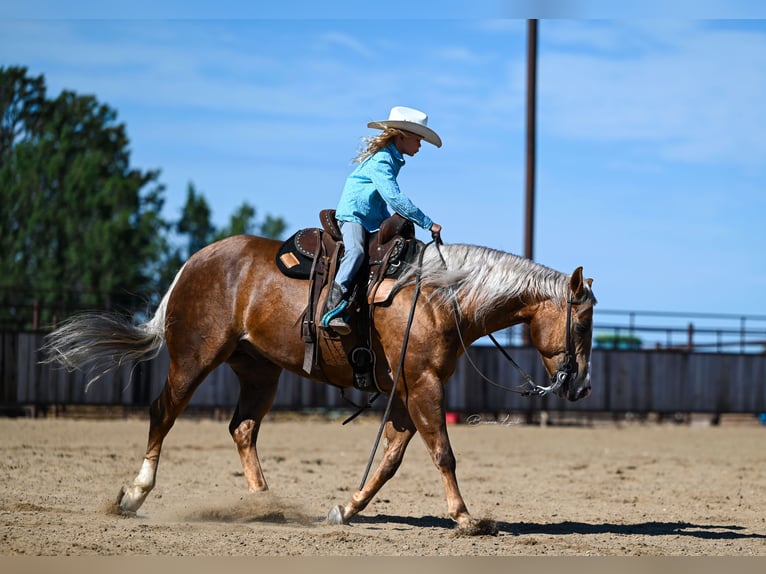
(411, 120)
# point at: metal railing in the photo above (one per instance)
(704, 332)
(694, 332)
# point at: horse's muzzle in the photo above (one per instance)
(579, 392)
(572, 387)
(577, 389)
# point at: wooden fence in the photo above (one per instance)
(641, 381)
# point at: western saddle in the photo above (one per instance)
(313, 254)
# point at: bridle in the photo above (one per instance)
(565, 372)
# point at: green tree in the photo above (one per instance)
(195, 221)
(273, 227)
(196, 227)
(21, 100)
(80, 227)
(243, 221)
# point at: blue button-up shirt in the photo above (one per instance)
(372, 187)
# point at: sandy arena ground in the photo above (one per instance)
(601, 490)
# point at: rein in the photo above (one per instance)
(405, 341)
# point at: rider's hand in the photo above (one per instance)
(436, 230)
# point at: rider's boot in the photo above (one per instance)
(335, 305)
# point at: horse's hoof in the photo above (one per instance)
(335, 516)
(117, 506)
(128, 502)
(483, 527)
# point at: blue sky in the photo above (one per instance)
(651, 157)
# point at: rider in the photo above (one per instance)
(368, 190)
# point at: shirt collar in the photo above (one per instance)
(395, 153)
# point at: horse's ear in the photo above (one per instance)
(576, 283)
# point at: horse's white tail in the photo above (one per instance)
(106, 341)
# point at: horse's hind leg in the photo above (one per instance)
(258, 380)
(162, 415)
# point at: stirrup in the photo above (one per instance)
(333, 313)
(340, 326)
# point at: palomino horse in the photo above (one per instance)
(230, 304)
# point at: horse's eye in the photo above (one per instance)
(582, 329)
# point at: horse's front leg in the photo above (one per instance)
(397, 434)
(427, 411)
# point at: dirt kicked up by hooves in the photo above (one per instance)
(483, 527)
(114, 508)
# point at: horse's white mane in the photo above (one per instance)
(482, 278)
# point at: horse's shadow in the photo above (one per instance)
(652, 528)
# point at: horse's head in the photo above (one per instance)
(563, 334)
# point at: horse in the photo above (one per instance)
(229, 303)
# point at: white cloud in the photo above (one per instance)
(347, 43)
(698, 99)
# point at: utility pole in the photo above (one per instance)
(529, 215)
(529, 211)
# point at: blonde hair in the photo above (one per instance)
(376, 143)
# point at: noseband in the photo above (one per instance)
(567, 369)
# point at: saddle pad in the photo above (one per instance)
(296, 254)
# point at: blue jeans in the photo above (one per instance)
(354, 242)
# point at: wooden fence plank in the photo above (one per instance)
(623, 381)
